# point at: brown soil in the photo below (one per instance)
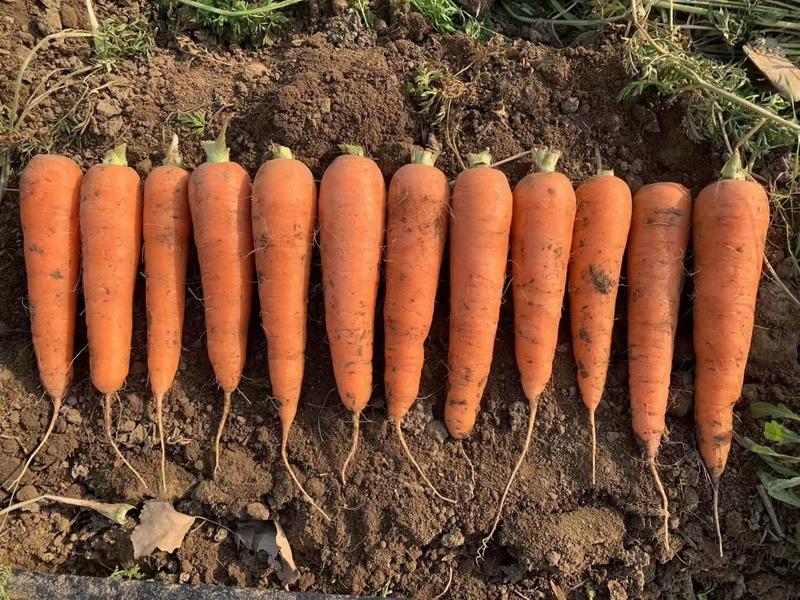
(334, 83)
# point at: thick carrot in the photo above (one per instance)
(166, 229)
(416, 228)
(111, 236)
(219, 202)
(284, 215)
(731, 217)
(660, 222)
(602, 221)
(541, 237)
(352, 203)
(480, 225)
(49, 193)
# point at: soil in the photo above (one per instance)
(325, 81)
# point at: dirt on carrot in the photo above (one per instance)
(311, 90)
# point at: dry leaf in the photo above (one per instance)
(780, 71)
(557, 591)
(160, 526)
(269, 537)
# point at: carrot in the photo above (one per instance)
(284, 215)
(602, 221)
(111, 230)
(480, 225)
(731, 217)
(541, 237)
(49, 199)
(416, 228)
(219, 202)
(166, 229)
(352, 202)
(656, 251)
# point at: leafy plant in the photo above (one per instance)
(115, 40)
(434, 91)
(5, 579)
(447, 17)
(194, 120)
(364, 10)
(131, 573)
(237, 21)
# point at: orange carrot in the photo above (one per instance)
(541, 237)
(731, 217)
(416, 228)
(111, 232)
(480, 225)
(602, 221)
(656, 251)
(166, 229)
(352, 202)
(49, 198)
(284, 215)
(219, 202)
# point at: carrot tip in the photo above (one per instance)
(594, 446)
(306, 495)
(715, 502)
(116, 156)
(353, 447)
(226, 409)
(416, 465)
(480, 159)
(664, 500)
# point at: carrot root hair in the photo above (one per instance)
(651, 462)
(159, 398)
(109, 434)
(353, 446)
(413, 461)
(715, 502)
(523, 453)
(13, 485)
(285, 457)
(594, 445)
(226, 409)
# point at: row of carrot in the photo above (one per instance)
(556, 235)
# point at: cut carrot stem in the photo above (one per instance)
(107, 414)
(413, 461)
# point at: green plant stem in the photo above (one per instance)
(481, 159)
(279, 151)
(352, 149)
(116, 156)
(544, 159)
(172, 156)
(424, 157)
(216, 150)
(259, 10)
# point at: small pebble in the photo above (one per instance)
(27, 492)
(256, 510)
(553, 558)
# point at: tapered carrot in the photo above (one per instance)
(111, 236)
(219, 202)
(480, 225)
(166, 229)
(541, 237)
(602, 221)
(352, 202)
(284, 215)
(416, 228)
(660, 222)
(49, 193)
(731, 218)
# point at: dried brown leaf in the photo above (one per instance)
(160, 527)
(268, 536)
(780, 71)
(557, 591)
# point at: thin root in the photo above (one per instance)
(306, 495)
(715, 501)
(651, 461)
(226, 409)
(353, 447)
(110, 436)
(526, 445)
(160, 422)
(413, 461)
(594, 445)
(13, 485)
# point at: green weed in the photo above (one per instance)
(447, 17)
(5, 579)
(364, 10)
(194, 120)
(132, 573)
(434, 91)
